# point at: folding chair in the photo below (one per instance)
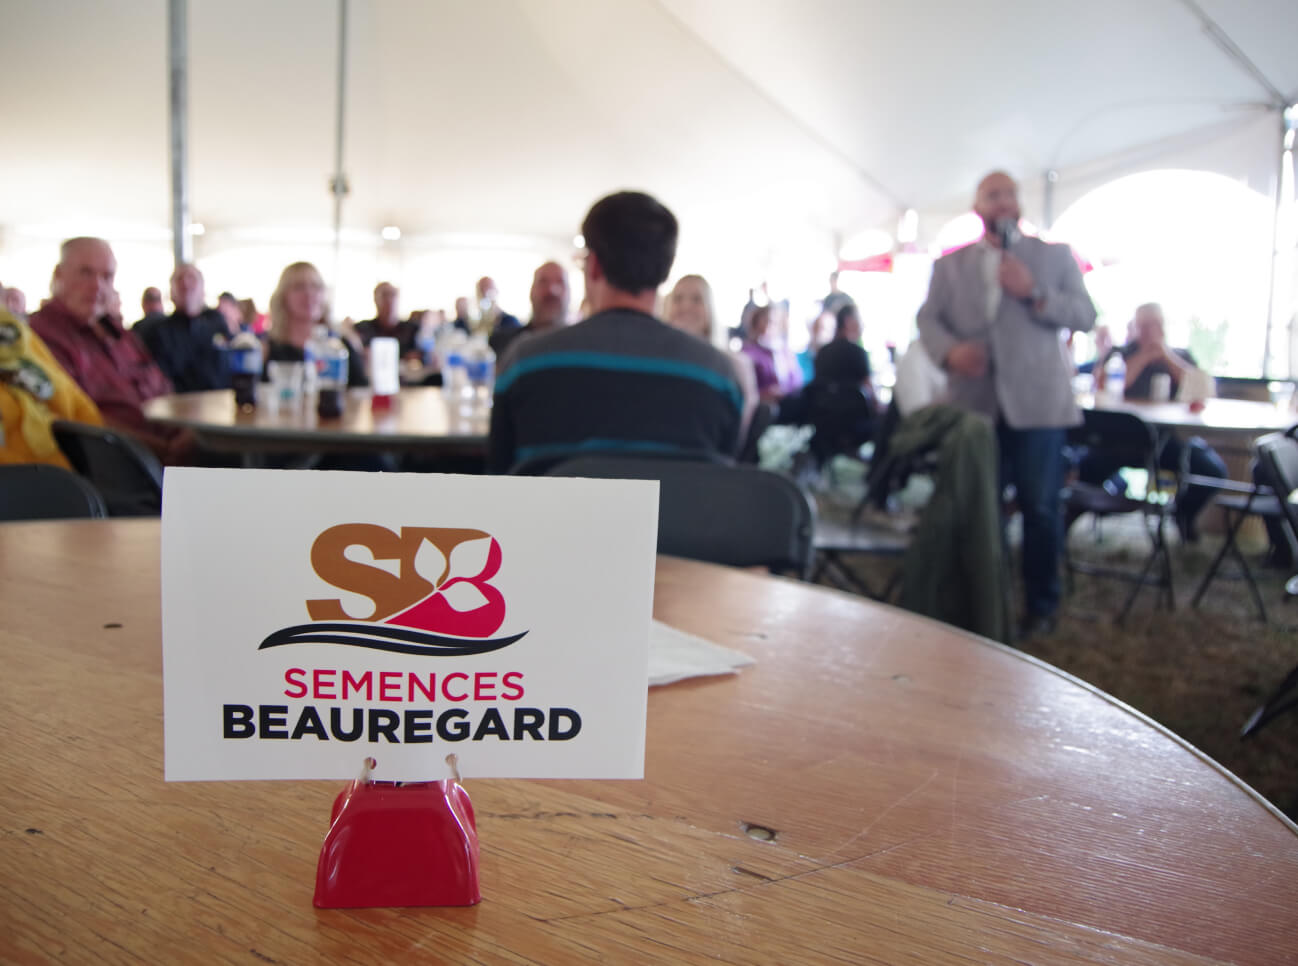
(122, 469)
(1238, 501)
(1128, 441)
(1279, 451)
(741, 516)
(37, 491)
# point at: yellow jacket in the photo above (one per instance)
(34, 391)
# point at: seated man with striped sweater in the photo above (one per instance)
(621, 381)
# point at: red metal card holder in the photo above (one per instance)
(399, 844)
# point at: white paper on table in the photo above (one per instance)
(675, 656)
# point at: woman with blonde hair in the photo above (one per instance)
(297, 306)
(689, 307)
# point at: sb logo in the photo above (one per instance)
(442, 583)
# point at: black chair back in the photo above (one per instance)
(1279, 454)
(124, 470)
(1127, 437)
(36, 491)
(741, 516)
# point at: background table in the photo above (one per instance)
(1237, 417)
(421, 419)
(933, 798)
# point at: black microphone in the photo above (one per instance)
(1007, 230)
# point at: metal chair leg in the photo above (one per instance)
(1275, 704)
(1234, 520)
(1232, 524)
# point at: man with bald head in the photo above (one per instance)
(150, 305)
(994, 320)
(82, 326)
(491, 317)
(189, 344)
(549, 297)
(387, 322)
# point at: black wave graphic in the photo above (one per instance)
(385, 637)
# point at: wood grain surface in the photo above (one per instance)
(419, 418)
(933, 799)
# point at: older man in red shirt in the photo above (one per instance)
(83, 328)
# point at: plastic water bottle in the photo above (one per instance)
(313, 355)
(426, 341)
(332, 378)
(480, 367)
(244, 355)
(455, 378)
(1115, 374)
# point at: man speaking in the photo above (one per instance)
(993, 320)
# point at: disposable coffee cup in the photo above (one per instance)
(1160, 387)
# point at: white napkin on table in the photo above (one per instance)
(675, 656)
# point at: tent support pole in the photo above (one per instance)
(178, 76)
(1275, 251)
(338, 184)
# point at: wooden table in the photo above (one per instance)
(933, 798)
(1237, 417)
(421, 419)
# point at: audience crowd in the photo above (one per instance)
(636, 374)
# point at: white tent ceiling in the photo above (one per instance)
(762, 123)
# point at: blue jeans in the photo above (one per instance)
(1033, 461)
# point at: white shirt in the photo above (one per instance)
(991, 267)
(919, 383)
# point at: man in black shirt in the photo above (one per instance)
(151, 305)
(189, 344)
(839, 400)
(387, 323)
(842, 359)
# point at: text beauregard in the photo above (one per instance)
(418, 725)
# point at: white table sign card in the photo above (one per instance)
(313, 619)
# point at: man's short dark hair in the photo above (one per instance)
(634, 238)
(846, 311)
(227, 296)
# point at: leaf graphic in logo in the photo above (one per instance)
(429, 562)
(465, 603)
(468, 562)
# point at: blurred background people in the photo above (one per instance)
(151, 305)
(777, 372)
(549, 299)
(189, 344)
(621, 380)
(15, 301)
(820, 332)
(388, 324)
(1146, 358)
(228, 306)
(297, 306)
(82, 326)
(491, 317)
(34, 391)
(689, 307)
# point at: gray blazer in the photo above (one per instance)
(1029, 378)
